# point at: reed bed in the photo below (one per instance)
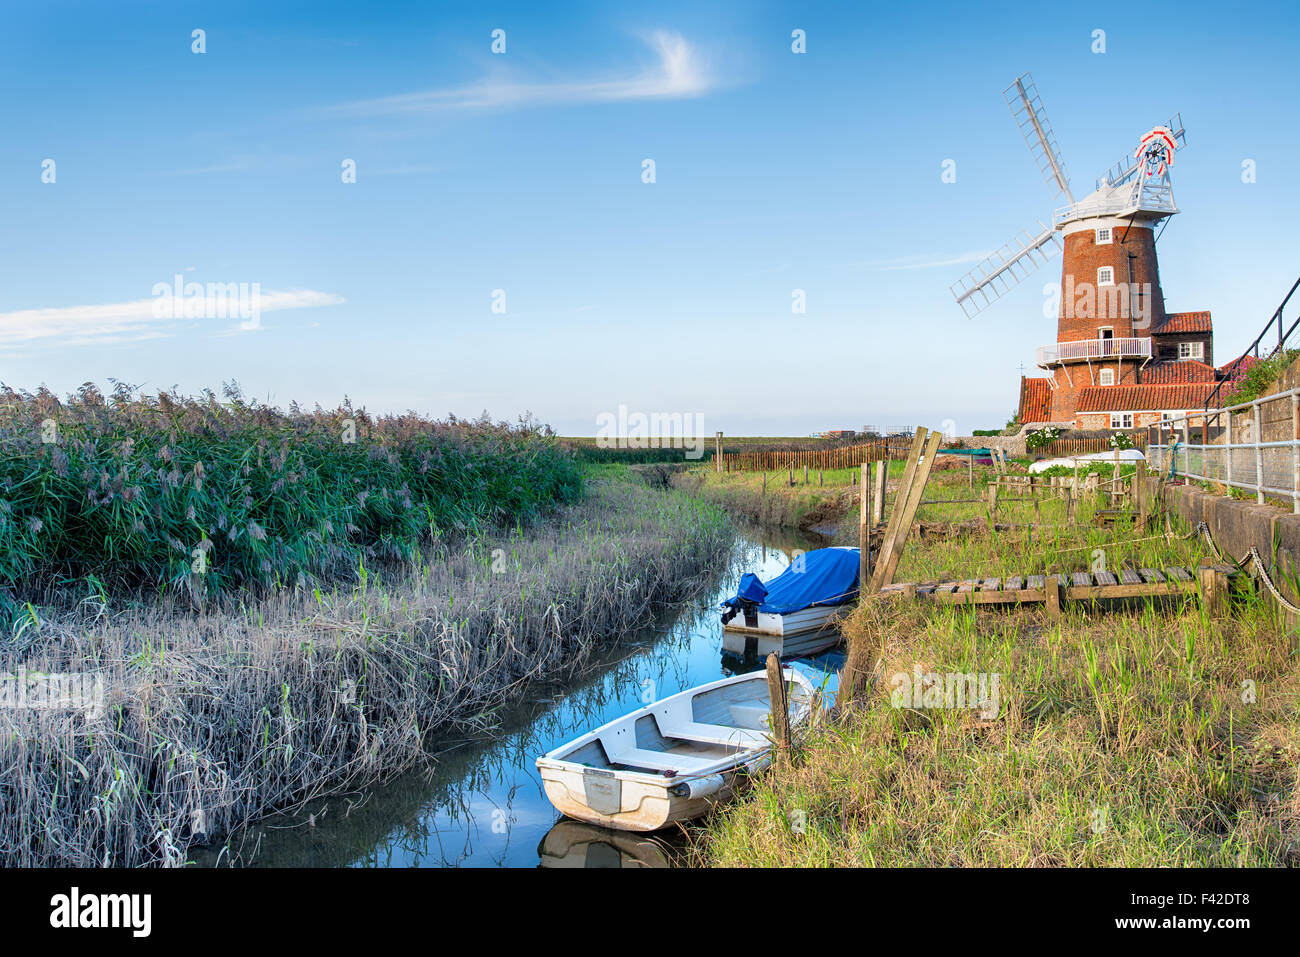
(205, 496)
(216, 718)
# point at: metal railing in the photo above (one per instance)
(1232, 450)
(1253, 348)
(1095, 349)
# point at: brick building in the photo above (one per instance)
(1120, 360)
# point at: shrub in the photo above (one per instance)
(1041, 438)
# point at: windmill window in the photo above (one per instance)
(1107, 377)
(1106, 276)
(1103, 236)
(1191, 350)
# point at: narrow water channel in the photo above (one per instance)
(483, 803)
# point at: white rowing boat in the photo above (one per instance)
(676, 759)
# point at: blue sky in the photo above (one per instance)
(522, 172)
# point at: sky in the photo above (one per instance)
(501, 248)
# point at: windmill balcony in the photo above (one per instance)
(1085, 349)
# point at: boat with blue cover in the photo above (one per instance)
(794, 613)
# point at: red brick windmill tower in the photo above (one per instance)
(1110, 279)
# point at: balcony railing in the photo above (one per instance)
(1094, 349)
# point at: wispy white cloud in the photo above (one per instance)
(678, 73)
(141, 319)
(926, 262)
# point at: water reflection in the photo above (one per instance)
(481, 802)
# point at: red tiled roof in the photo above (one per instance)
(1170, 373)
(1134, 398)
(1184, 322)
(1242, 364)
(1035, 400)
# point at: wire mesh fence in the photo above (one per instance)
(1253, 446)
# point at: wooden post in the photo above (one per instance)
(900, 497)
(993, 504)
(882, 479)
(1213, 590)
(905, 513)
(864, 532)
(1053, 586)
(821, 478)
(970, 463)
(792, 473)
(805, 473)
(780, 706)
(717, 452)
(1140, 492)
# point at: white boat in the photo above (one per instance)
(675, 759)
(1125, 457)
(575, 844)
(793, 614)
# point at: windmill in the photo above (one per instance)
(1137, 188)
(1111, 302)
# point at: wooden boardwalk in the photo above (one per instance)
(1211, 581)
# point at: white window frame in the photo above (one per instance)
(1109, 272)
(1120, 416)
(1197, 356)
(1110, 329)
(1102, 376)
(1110, 236)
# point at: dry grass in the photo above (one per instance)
(216, 719)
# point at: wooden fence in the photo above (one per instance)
(844, 457)
(1063, 447)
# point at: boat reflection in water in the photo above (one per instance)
(575, 844)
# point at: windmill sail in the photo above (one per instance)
(998, 274)
(1027, 110)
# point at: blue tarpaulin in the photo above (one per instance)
(824, 576)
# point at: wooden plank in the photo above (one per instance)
(1178, 573)
(1128, 576)
(1037, 582)
(889, 559)
(1080, 579)
(989, 597)
(1151, 575)
(896, 515)
(1105, 578)
(990, 584)
(1129, 591)
(1014, 583)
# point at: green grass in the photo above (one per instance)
(1138, 734)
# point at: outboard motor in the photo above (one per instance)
(749, 596)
